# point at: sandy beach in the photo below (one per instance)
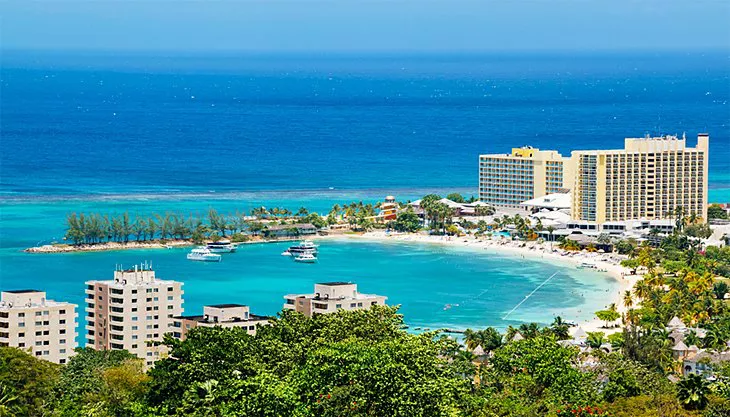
(610, 263)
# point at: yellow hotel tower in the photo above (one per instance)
(647, 179)
(526, 173)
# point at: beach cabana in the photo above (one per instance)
(580, 334)
(478, 351)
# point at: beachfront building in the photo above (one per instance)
(328, 297)
(42, 327)
(509, 179)
(388, 209)
(132, 311)
(648, 179)
(223, 315)
(288, 230)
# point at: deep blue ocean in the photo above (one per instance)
(91, 124)
(144, 133)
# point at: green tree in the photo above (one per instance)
(595, 339)
(720, 288)
(346, 363)
(608, 315)
(715, 211)
(33, 382)
(456, 198)
(692, 392)
(407, 221)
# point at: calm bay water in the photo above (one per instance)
(152, 133)
(422, 279)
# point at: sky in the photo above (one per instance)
(364, 25)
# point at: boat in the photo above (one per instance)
(203, 254)
(221, 246)
(586, 265)
(305, 246)
(305, 258)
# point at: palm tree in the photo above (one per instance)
(692, 392)
(559, 328)
(550, 231)
(628, 299)
(641, 289)
(595, 339)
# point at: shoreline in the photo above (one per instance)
(112, 246)
(608, 264)
(532, 251)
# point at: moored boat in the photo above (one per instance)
(204, 255)
(305, 258)
(221, 246)
(305, 246)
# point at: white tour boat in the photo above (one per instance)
(305, 246)
(305, 258)
(203, 254)
(221, 246)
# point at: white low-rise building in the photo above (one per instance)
(328, 297)
(43, 327)
(223, 315)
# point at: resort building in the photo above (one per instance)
(388, 209)
(131, 311)
(328, 297)
(648, 179)
(42, 327)
(298, 229)
(223, 315)
(527, 173)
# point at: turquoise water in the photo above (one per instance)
(421, 278)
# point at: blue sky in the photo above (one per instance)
(359, 25)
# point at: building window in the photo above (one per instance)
(62, 311)
(38, 313)
(21, 314)
(62, 341)
(21, 334)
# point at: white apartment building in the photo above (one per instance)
(42, 327)
(131, 311)
(223, 315)
(328, 297)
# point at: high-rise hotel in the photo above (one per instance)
(648, 179)
(509, 179)
(132, 312)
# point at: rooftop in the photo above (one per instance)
(226, 305)
(202, 319)
(335, 283)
